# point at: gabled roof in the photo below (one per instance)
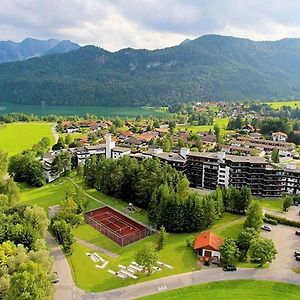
(278, 133)
(208, 240)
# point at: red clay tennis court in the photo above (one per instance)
(116, 226)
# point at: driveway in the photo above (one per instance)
(286, 243)
(65, 289)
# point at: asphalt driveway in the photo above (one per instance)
(286, 243)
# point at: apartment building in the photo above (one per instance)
(210, 169)
(292, 179)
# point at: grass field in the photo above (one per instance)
(233, 290)
(274, 204)
(221, 122)
(17, 137)
(279, 104)
(87, 277)
(231, 230)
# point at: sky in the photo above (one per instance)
(150, 24)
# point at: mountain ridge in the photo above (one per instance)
(211, 67)
(29, 47)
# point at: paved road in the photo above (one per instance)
(54, 132)
(65, 289)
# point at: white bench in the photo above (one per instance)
(103, 266)
(165, 265)
(129, 274)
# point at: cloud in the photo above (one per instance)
(115, 24)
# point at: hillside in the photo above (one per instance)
(13, 51)
(211, 67)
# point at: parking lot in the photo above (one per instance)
(286, 243)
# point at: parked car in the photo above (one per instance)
(266, 228)
(297, 258)
(229, 268)
(297, 232)
(296, 203)
(297, 253)
(55, 277)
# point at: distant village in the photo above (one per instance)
(268, 164)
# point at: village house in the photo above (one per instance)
(207, 245)
(279, 136)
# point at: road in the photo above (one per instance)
(54, 133)
(65, 289)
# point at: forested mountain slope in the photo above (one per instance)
(211, 67)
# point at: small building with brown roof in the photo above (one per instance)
(208, 245)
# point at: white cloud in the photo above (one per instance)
(115, 24)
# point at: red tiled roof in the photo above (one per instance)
(208, 240)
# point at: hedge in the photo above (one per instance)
(283, 221)
(270, 221)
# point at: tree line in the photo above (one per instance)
(164, 192)
(25, 262)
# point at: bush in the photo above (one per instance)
(270, 221)
(283, 221)
(190, 241)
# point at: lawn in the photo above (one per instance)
(279, 104)
(231, 230)
(226, 219)
(17, 137)
(176, 253)
(273, 204)
(50, 194)
(233, 290)
(221, 122)
(90, 278)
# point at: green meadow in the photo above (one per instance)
(279, 104)
(16, 137)
(233, 290)
(221, 122)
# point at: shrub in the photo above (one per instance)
(270, 221)
(283, 221)
(190, 241)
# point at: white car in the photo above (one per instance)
(266, 228)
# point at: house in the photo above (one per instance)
(248, 128)
(71, 129)
(279, 136)
(147, 136)
(208, 245)
(125, 134)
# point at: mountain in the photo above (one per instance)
(211, 67)
(12, 51)
(62, 47)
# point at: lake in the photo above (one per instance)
(100, 111)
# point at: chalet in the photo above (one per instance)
(147, 136)
(208, 245)
(248, 128)
(279, 136)
(125, 134)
